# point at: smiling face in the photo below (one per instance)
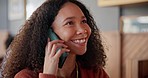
(71, 26)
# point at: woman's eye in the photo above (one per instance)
(84, 21)
(69, 23)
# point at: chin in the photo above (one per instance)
(81, 52)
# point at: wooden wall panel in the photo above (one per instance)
(134, 49)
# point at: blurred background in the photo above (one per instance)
(123, 25)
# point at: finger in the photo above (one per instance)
(56, 41)
(48, 39)
(50, 45)
(61, 45)
(60, 52)
(48, 48)
(56, 47)
(53, 50)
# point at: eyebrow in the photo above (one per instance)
(83, 17)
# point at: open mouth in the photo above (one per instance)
(79, 41)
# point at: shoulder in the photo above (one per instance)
(26, 73)
(102, 73)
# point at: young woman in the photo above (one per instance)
(33, 55)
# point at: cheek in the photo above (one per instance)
(88, 30)
(66, 35)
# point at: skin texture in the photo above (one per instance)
(72, 28)
(32, 42)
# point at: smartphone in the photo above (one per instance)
(53, 36)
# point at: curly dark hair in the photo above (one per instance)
(28, 47)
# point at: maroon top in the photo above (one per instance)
(83, 73)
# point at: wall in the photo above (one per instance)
(133, 51)
(138, 9)
(5, 24)
(106, 17)
(13, 26)
(3, 15)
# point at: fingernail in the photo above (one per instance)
(68, 50)
(48, 39)
(62, 41)
(66, 46)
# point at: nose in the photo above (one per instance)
(81, 30)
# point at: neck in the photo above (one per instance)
(68, 66)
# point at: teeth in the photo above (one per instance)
(79, 41)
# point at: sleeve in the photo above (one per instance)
(24, 74)
(41, 75)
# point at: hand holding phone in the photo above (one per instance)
(63, 57)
